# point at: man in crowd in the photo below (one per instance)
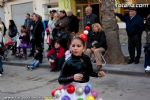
(73, 22)
(134, 28)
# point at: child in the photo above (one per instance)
(37, 59)
(56, 56)
(76, 73)
(24, 42)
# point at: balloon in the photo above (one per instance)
(70, 89)
(85, 32)
(90, 86)
(53, 93)
(66, 98)
(83, 37)
(87, 28)
(80, 99)
(90, 98)
(57, 93)
(94, 94)
(79, 91)
(87, 89)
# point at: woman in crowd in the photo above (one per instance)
(98, 45)
(12, 32)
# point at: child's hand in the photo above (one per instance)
(101, 74)
(51, 60)
(78, 77)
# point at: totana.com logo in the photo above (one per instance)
(132, 5)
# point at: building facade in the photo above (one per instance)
(17, 9)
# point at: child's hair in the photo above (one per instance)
(57, 41)
(78, 38)
(23, 29)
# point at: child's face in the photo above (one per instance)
(57, 45)
(77, 47)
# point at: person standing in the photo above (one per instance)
(62, 29)
(90, 18)
(73, 22)
(28, 22)
(134, 28)
(37, 37)
(76, 72)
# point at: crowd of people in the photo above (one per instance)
(62, 27)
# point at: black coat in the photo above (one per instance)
(38, 30)
(74, 65)
(97, 40)
(73, 23)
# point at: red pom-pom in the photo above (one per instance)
(70, 89)
(47, 30)
(53, 93)
(87, 28)
(84, 37)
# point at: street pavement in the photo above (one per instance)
(17, 82)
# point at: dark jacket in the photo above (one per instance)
(12, 31)
(97, 40)
(134, 26)
(73, 23)
(74, 65)
(56, 53)
(38, 32)
(91, 19)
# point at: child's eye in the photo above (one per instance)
(73, 45)
(78, 45)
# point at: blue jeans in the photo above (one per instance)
(1, 65)
(35, 64)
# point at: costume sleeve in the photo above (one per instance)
(61, 53)
(64, 78)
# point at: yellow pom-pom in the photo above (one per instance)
(90, 98)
